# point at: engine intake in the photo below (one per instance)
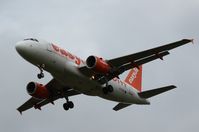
(37, 90)
(31, 88)
(98, 65)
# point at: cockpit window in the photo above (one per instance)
(32, 39)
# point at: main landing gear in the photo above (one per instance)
(68, 105)
(107, 89)
(41, 74)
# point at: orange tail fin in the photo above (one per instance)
(134, 78)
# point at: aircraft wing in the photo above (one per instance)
(155, 51)
(53, 86)
(125, 63)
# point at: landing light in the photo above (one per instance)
(93, 78)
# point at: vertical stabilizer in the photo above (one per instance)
(134, 78)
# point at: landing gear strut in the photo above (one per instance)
(41, 74)
(107, 89)
(68, 105)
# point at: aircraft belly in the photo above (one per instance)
(91, 88)
(70, 76)
(72, 79)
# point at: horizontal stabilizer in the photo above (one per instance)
(154, 92)
(121, 106)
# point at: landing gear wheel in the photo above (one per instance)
(70, 104)
(108, 89)
(65, 106)
(41, 75)
(105, 90)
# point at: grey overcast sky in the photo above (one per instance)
(107, 28)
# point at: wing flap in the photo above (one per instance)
(143, 61)
(33, 102)
(28, 104)
(67, 94)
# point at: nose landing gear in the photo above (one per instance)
(41, 74)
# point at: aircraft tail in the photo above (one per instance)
(146, 95)
(134, 78)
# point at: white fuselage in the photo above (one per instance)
(64, 67)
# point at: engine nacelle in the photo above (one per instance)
(98, 65)
(37, 90)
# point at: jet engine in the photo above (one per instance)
(37, 90)
(98, 65)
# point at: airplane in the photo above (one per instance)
(94, 77)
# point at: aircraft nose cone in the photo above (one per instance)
(20, 47)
